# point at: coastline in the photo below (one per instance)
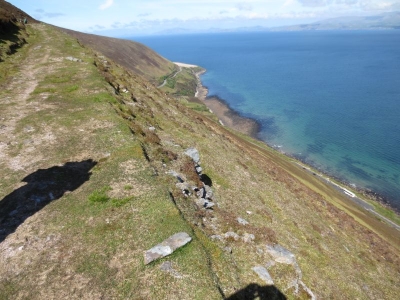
(227, 116)
(232, 119)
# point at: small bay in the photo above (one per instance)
(329, 98)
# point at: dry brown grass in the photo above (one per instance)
(80, 249)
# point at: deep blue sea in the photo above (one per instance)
(331, 99)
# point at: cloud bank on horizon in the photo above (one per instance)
(122, 17)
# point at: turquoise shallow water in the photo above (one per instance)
(332, 99)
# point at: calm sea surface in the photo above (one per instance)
(332, 99)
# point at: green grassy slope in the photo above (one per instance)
(132, 55)
(120, 135)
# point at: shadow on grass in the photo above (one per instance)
(43, 187)
(255, 291)
(9, 32)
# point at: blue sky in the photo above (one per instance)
(123, 17)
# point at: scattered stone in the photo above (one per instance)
(242, 221)
(199, 170)
(259, 251)
(176, 175)
(231, 234)
(228, 249)
(248, 237)
(29, 129)
(307, 290)
(70, 58)
(201, 193)
(183, 186)
(270, 264)
(204, 203)
(209, 192)
(167, 267)
(166, 247)
(193, 153)
(281, 254)
(216, 237)
(152, 128)
(263, 274)
(248, 212)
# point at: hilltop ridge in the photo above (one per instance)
(132, 55)
(101, 166)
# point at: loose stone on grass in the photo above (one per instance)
(193, 153)
(166, 247)
(242, 221)
(263, 274)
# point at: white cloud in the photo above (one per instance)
(106, 4)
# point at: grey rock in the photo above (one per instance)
(201, 202)
(263, 274)
(151, 128)
(193, 153)
(231, 234)
(70, 58)
(201, 193)
(281, 254)
(248, 237)
(228, 249)
(199, 169)
(270, 264)
(242, 221)
(216, 237)
(307, 290)
(209, 192)
(166, 247)
(175, 174)
(183, 186)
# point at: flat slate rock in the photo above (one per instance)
(166, 247)
(281, 255)
(194, 154)
(263, 274)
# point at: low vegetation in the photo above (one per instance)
(125, 136)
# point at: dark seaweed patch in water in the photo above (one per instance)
(349, 164)
(268, 126)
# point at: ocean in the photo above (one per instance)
(329, 98)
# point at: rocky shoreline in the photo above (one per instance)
(230, 118)
(227, 116)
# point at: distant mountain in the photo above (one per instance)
(383, 21)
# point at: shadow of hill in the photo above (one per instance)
(255, 291)
(43, 186)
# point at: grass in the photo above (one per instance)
(90, 242)
(100, 195)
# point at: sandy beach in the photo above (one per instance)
(225, 114)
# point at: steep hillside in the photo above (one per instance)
(101, 166)
(132, 55)
(12, 28)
